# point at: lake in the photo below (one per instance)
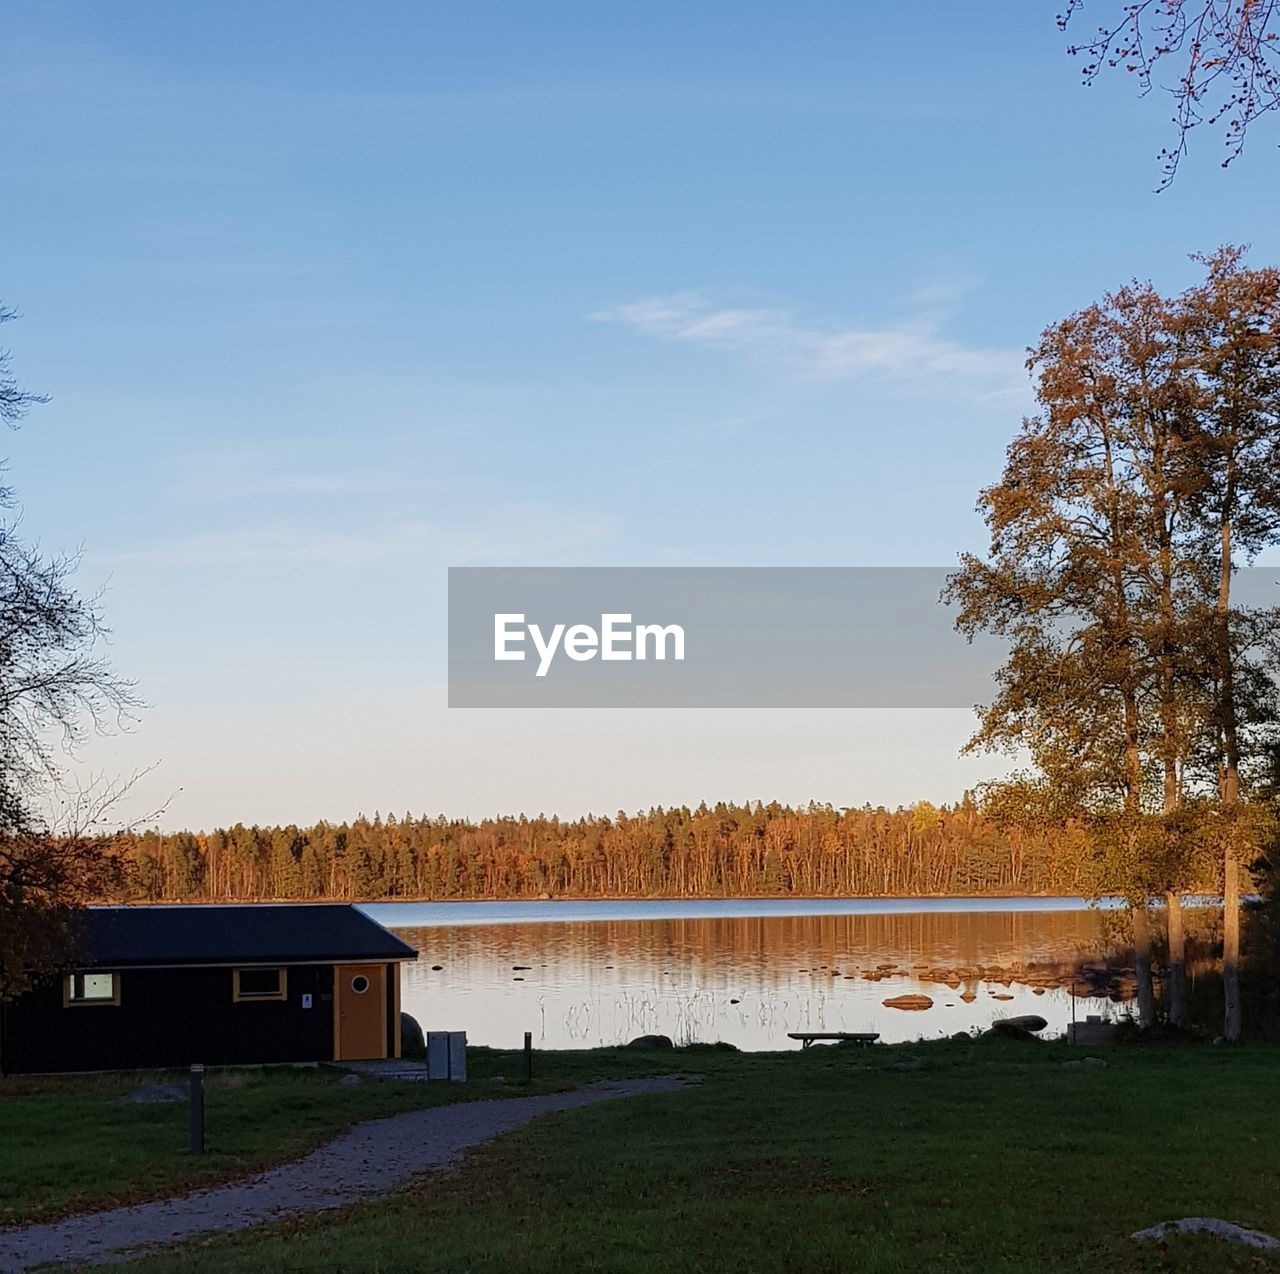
(747, 971)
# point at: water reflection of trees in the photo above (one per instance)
(750, 980)
(774, 945)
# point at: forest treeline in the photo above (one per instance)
(727, 850)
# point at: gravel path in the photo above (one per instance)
(370, 1158)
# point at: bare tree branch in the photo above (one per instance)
(1226, 54)
(57, 848)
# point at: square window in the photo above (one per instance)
(92, 988)
(259, 984)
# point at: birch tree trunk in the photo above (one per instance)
(1177, 962)
(1142, 966)
(1231, 947)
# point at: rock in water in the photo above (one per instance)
(412, 1042)
(912, 1003)
(651, 1041)
(1027, 1022)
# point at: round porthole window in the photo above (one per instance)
(359, 984)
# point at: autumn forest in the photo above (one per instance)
(725, 851)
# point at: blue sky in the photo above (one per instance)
(329, 299)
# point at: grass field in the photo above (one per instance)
(68, 1143)
(988, 1156)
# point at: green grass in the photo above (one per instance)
(991, 1157)
(68, 1144)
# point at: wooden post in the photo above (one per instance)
(196, 1111)
(528, 1057)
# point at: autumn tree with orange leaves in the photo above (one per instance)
(1143, 692)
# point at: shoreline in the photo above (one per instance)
(723, 905)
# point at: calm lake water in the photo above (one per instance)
(584, 974)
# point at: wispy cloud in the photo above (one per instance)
(345, 483)
(914, 349)
(510, 535)
(238, 473)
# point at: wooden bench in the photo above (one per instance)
(856, 1037)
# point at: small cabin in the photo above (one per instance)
(222, 985)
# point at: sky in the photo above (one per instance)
(329, 298)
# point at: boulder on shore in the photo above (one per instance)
(1026, 1022)
(412, 1041)
(154, 1095)
(1228, 1230)
(910, 1003)
(1006, 1029)
(651, 1042)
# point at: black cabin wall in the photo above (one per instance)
(170, 1018)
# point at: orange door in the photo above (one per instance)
(360, 994)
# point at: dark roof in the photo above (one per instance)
(260, 933)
